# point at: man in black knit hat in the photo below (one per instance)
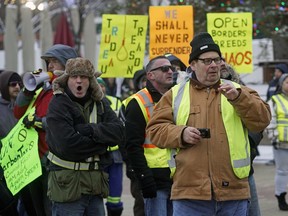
(204, 122)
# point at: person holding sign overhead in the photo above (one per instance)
(39, 98)
(204, 123)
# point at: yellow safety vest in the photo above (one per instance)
(115, 102)
(237, 134)
(155, 157)
(282, 116)
(115, 106)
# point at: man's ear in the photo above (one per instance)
(192, 65)
(150, 75)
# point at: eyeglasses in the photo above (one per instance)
(15, 83)
(208, 61)
(164, 68)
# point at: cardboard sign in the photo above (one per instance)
(233, 33)
(171, 31)
(122, 45)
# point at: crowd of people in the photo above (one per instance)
(188, 135)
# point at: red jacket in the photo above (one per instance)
(41, 105)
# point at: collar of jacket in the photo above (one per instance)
(196, 84)
(156, 96)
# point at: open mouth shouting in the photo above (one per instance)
(78, 85)
(80, 91)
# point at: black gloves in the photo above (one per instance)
(148, 186)
(130, 173)
(84, 129)
(32, 120)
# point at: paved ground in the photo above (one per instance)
(264, 178)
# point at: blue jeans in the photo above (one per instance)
(210, 207)
(254, 209)
(160, 205)
(88, 205)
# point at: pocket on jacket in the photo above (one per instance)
(194, 116)
(63, 186)
(100, 183)
(195, 109)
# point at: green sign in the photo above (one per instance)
(19, 157)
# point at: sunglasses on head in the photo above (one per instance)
(164, 68)
(15, 83)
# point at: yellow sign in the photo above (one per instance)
(19, 157)
(171, 31)
(233, 33)
(122, 47)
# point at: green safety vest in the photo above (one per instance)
(237, 134)
(155, 157)
(282, 116)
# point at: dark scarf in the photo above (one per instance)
(80, 101)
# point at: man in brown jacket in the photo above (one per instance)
(206, 122)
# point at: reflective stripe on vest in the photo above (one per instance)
(236, 133)
(145, 102)
(282, 116)
(93, 119)
(155, 157)
(93, 114)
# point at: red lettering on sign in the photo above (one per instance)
(239, 58)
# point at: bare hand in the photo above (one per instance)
(191, 135)
(229, 91)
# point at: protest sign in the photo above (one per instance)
(122, 47)
(233, 33)
(19, 157)
(171, 31)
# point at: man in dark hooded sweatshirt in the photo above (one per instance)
(10, 86)
(55, 58)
